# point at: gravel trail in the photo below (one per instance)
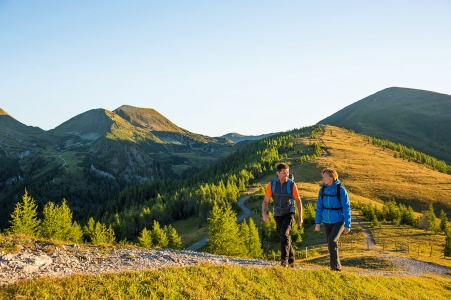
(42, 260)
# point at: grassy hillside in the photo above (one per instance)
(415, 118)
(225, 282)
(370, 174)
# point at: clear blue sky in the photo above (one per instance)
(214, 67)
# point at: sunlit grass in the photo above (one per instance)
(228, 282)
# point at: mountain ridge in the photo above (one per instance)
(236, 137)
(415, 118)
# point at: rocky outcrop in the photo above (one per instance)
(45, 260)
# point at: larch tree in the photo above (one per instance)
(24, 218)
(223, 233)
(145, 238)
(254, 245)
(174, 240)
(244, 234)
(447, 242)
(443, 221)
(432, 221)
(57, 223)
(98, 233)
(159, 238)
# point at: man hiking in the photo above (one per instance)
(284, 193)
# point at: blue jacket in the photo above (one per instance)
(333, 216)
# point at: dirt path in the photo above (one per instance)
(368, 240)
(246, 213)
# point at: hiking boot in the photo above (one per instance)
(291, 265)
(336, 269)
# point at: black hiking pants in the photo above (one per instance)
(333, 233)
(284, 224)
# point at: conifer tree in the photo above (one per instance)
(244, 234)
(76, 233)
(408, 216)
(376, 221)
(254, 244)
(57, 222)
(309, 214)
(174, 240)
(443, 221)
(448, 242)
(24, 217)
(269, 229)
(159, 238)
(223, 237)
(98, 233)
(145, 239)
(432, 219)
(296, 233)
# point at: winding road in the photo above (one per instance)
(246, 213)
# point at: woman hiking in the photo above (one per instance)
(333, 209)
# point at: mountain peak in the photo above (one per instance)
(146, 118)
(88, 125)
(3, 113)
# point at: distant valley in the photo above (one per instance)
(94, 155)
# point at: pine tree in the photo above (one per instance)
(309, 214)
(296, 233)
(376, 221)
(269, 229)
(145, 239)
(223, 233)
(57, 221)
(98, 233)
(432, 219)
(254, 244)
(244, 234)
(159, 238)
(24, 217)
(448, 243)
(174, 240)
(409, 217)
(76, 233)
(443, 221)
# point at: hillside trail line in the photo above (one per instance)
(368, 238)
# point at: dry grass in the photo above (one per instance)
(371, 173)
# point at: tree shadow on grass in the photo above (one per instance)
(362, 262)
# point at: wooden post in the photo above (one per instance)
(306, 252)
(430, 254)
(418, 249)
(367, 245)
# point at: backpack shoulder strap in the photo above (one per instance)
(290, 184)
(339, 192)
(273, 185)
